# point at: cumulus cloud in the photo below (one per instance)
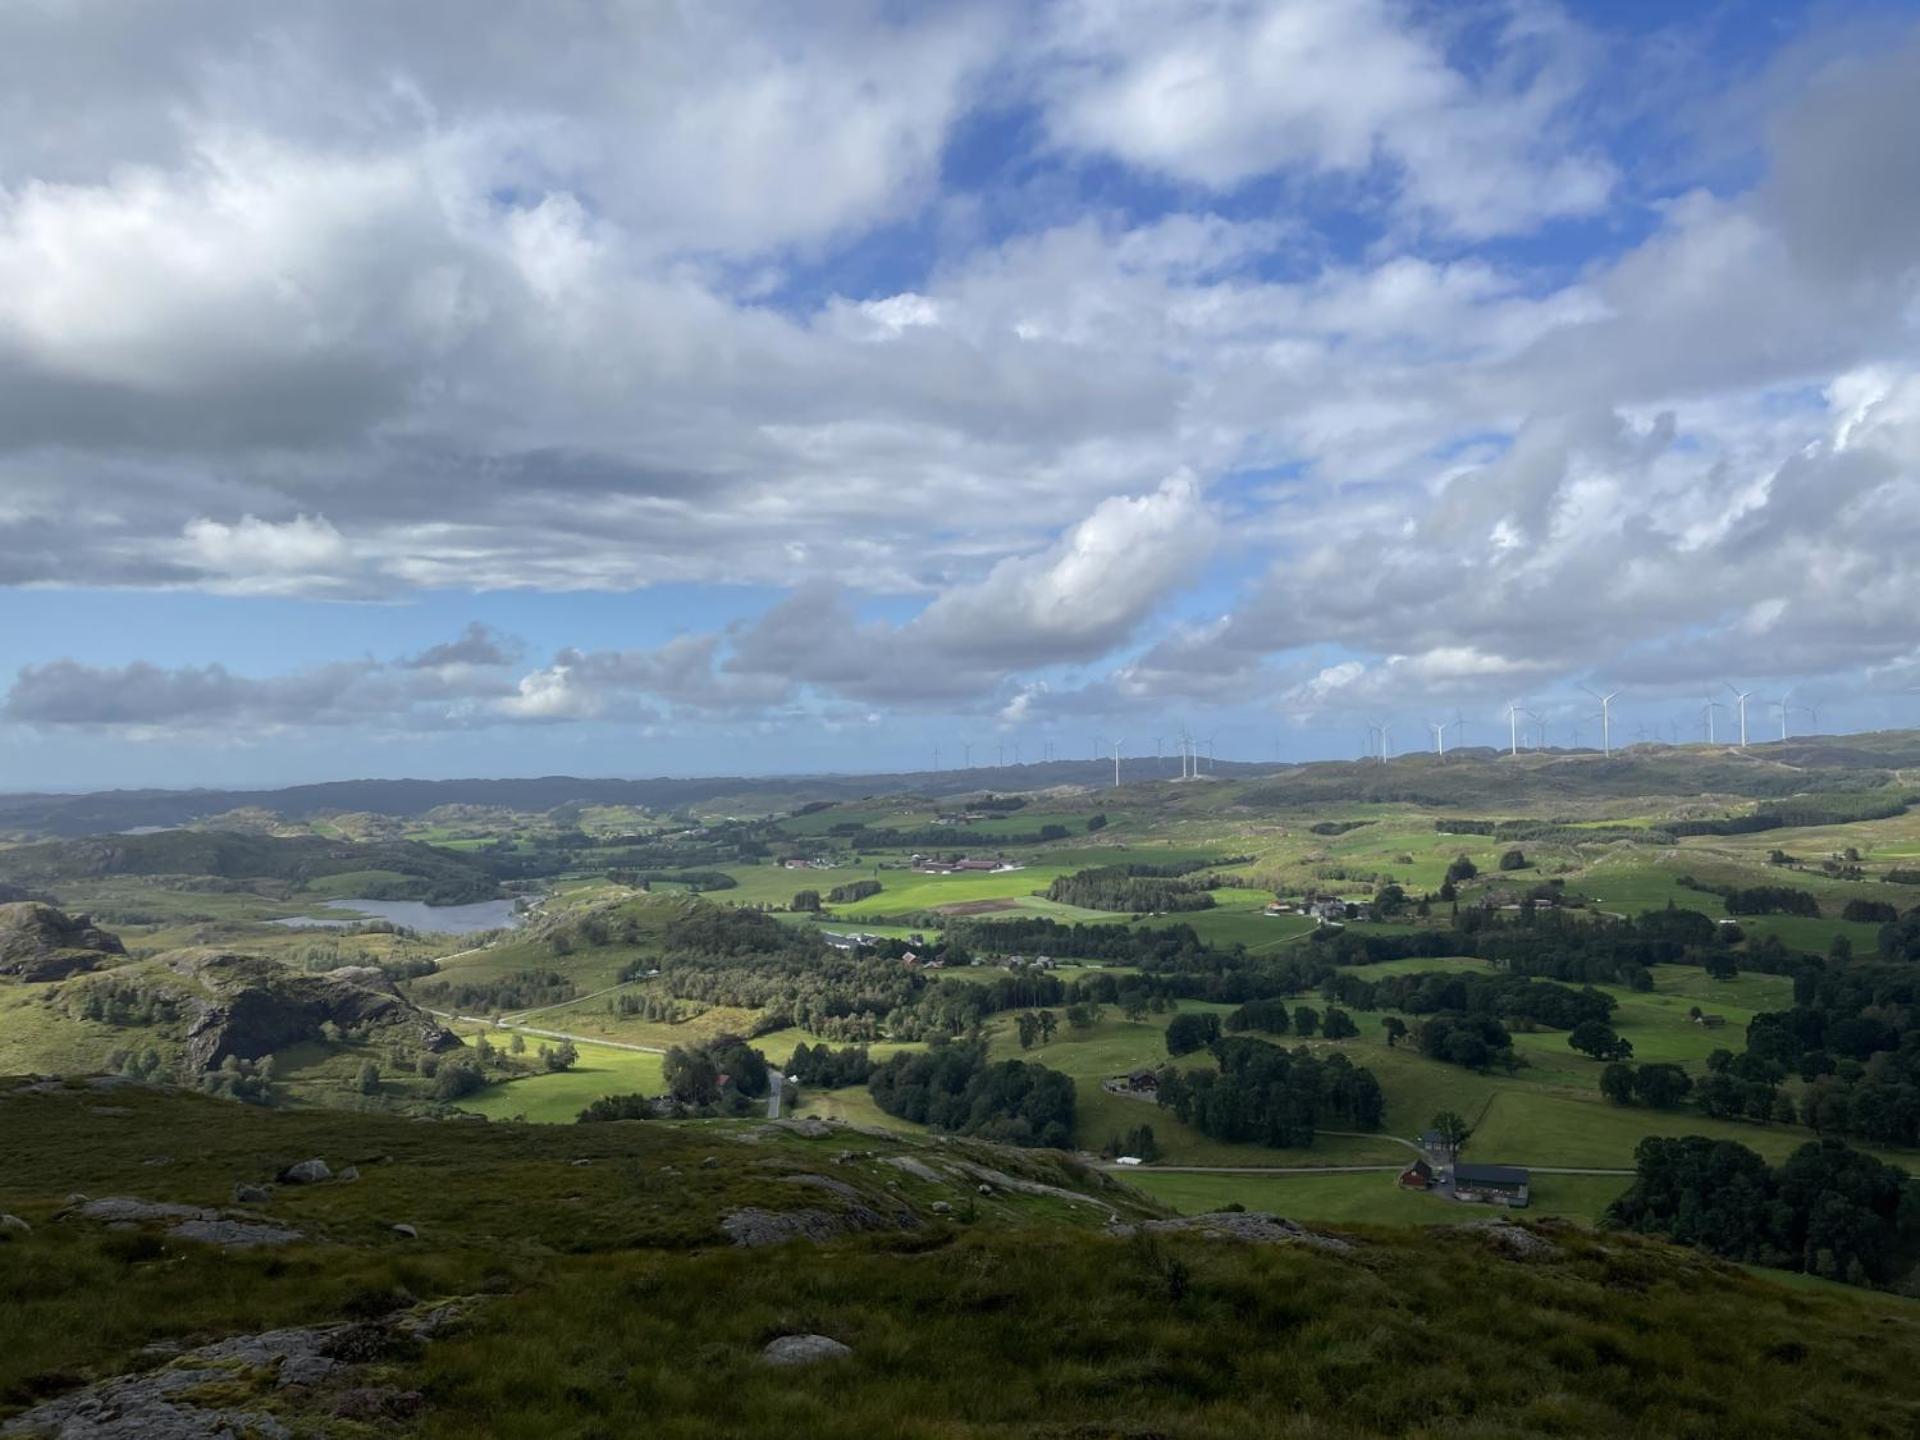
(352, 301)
(1219, 92)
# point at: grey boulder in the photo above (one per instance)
(803, 1350)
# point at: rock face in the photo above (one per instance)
(191, 1397)
(1516, 1240)
(804, 1350)
(251, 1006)
(38, 942)
(307, 1172)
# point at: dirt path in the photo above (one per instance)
(550, 1034)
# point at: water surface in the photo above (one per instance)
(414, 914)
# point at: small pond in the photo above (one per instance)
(414, 914)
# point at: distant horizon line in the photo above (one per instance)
(1102, 764)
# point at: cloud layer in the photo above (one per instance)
(1303, 358)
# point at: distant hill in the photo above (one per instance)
(396, 870)
(1477, 777)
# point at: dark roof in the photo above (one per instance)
(1418, 1167)
(1489, 1174)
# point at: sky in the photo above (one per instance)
(637, 389)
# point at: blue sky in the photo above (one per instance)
(743, 389)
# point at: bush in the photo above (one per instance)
(1513, 860)
(1870, 912)
(1188, 1033)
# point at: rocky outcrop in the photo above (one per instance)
(1250, 1226)
(315, 1371)
(803, 1350)
(249, 1006)
(40, 943)
(1515, 1240)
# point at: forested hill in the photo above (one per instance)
(411, 871)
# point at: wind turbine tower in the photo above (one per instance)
(1513, 727)
(1741, 697)
(1606, 718)
(1707, 710)
(1439, 737)
(1116, 764)
(1783, 713)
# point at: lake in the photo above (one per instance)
(414, 914)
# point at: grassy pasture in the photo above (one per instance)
(559, 1097)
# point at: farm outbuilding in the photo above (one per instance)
(1491, 1184)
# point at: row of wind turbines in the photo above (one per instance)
(1380, 732)
(1197, 757)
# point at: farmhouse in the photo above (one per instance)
(1491, 1185)
(1417, 1176)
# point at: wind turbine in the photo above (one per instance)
(1781, 705)
(967, 748)
(1116, 764)
(1003, 754)
(1606, 718)
(1513, 727)
(1439, 737)
(1213, 760)
(1707, 710)
(1741, 696)
(936, 759)
(1386, 740)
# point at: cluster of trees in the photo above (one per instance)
(522, 990)
(747, 959)
(1870, 912)
(694, 880)
(237, 1079)
(1758, 899)
(830, 1069)
(137, 1064)
(1139, 1141)
(1597, 1038)
(1510, 997)
(1036, 1025)
(111, 1000)
(1853, 1034)
(1553, 945)
(725, 1067)
(853, 890)
(1276, 1018)
(952, 1087)
(1271, 1095)
(1138, 887)
(1192, 1031)
(1827, 1210)
(1660, 1086)
(1476, 1042)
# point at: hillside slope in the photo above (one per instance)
(587, 1281)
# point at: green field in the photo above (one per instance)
(558, 1098)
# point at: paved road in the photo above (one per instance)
(774, 1081)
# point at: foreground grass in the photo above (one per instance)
(608, 1303)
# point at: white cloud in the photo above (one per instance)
(1219, 92)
